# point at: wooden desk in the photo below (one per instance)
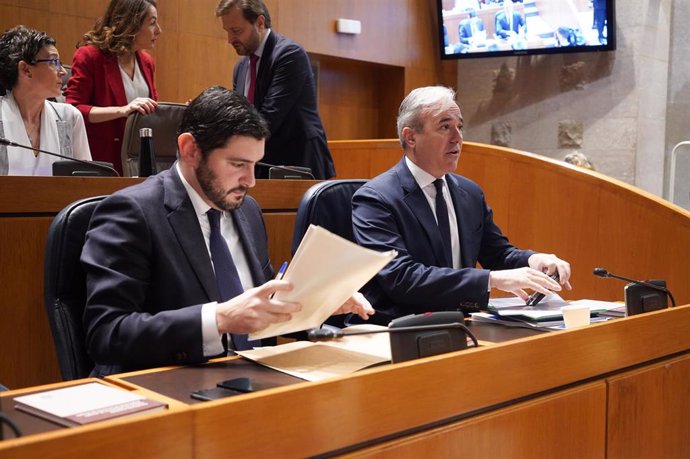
(158, 435)
(614, 389)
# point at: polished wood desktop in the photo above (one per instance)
(613, 389)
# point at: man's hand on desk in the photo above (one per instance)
(356, 304)
(516, 280)
(255, 309)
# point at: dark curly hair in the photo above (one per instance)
(114, 32)
(19, 44)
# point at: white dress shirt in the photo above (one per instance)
(426, 183)
(209, 328)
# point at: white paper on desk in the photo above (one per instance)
(325, 271)
(549, 307)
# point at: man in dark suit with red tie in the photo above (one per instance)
(276, 76)
(179, 261)
(440, 224)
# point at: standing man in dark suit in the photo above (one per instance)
(439, 237)
(276, 76)
(154, 252)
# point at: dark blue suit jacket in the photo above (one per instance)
(148, 272)
(391, 212)
(503, 24)
(285, 95)
(465, 29)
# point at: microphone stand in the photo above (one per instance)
(601, 272)
(327, 334)
(110, 170)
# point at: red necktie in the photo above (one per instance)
(253, 59)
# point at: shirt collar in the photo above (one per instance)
(422, 177)
(260, 50)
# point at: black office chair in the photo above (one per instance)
(329, 205)
(65, 286)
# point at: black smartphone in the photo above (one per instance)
(244, 385)
(536, 297)
(212, 393)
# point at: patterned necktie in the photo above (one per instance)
(227, 278)
(443, 221)
(253, 59)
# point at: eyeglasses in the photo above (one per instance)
(54, 62)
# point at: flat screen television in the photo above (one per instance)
(485, 28)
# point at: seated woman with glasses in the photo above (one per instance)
(30, 73)
(112, 75)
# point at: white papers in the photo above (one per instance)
(317, 361)
(325, 271)
(548, 309)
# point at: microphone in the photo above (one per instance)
(601, 272)
(302, 172)
(91, 164)
(328, 334)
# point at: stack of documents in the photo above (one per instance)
(544, 316)
(325, 271)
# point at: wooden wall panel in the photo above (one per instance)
(192, 53)
(645, 417)
(575, 417)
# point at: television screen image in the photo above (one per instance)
(485, 28)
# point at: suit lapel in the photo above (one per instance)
(184, 223)
(416, 201)
(265, 65)
(112, 75)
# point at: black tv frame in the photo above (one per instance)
(609, 46)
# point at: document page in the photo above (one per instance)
(325, 271)
(313, 361)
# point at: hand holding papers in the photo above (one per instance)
(325, 271)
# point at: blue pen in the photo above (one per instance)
(281, 271)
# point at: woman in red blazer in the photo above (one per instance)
(112, 76)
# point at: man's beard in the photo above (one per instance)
(208, 182)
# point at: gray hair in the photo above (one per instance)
(419, 103)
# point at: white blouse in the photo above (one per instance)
(22, 161)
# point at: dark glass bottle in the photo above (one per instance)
(147, 157)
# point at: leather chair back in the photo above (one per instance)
(164, 123)
(65, 287)
(329, 205)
